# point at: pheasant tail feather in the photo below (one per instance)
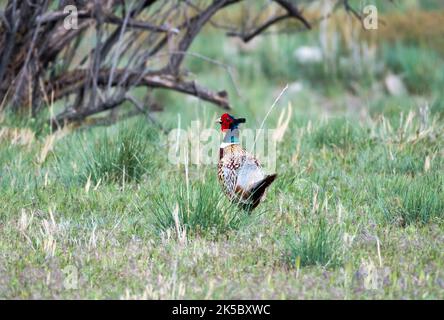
(258, 189)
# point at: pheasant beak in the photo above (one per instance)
(219, 121)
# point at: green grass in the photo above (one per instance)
(200, 208)
(337, 133)
(317, 243)
(411, 201)
(123, 157)
(421, 68)
(123, 240)
(358, 199)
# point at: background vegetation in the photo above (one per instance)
(356, 212)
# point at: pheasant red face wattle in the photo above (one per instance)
(228, 122)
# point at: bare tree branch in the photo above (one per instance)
(108, 18)
(349, 8)
(75, 80)
(194, 26)
(294, 12)
(138, 43)
(140, 108)
(246, 37)
(291, 12)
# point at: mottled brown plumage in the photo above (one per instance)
(240, 173)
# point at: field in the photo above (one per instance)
(357, 210)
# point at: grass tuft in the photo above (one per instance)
(119, 158)
(313, 244)
(202, 209)
(338, 133)
(408, 201)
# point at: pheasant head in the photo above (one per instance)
(228, 122)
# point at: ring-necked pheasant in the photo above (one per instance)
(240, 173)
